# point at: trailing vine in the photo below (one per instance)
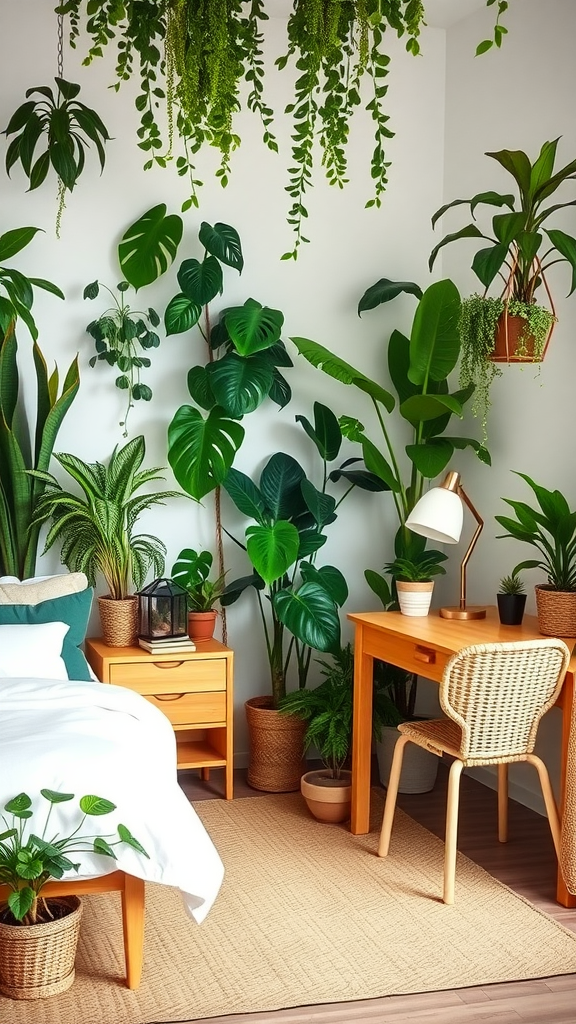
(202, 60)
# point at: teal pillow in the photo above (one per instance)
(73, 609)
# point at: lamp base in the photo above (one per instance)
(455, 612)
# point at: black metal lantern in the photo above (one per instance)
(163, 611)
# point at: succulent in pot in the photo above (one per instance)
(550, 528)
(511, 599)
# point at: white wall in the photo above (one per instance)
(351, 249)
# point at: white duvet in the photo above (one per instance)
(88, 738)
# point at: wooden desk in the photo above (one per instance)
(424, 645)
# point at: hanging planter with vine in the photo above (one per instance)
(203, 60)
(66, 126)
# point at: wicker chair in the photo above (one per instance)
(494, 696)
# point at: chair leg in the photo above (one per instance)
(133, 926)
(391, 794)
(550, 802)
(503, 803)
(451, 830)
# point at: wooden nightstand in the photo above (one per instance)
(194, 690)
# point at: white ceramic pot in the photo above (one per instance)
(419, 766)
(414, 598)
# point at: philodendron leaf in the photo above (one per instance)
(200, 451)
(55, 797)
(430, 458)
(148, 247)
(96, 805)
(223, 242)
(201, 282)
(253, 327)
(310, 614)
(181, 315)
(272, 549)
(385, 290)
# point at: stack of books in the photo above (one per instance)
(167, 645)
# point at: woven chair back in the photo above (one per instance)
(497, 693)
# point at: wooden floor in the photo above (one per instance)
(526, 863)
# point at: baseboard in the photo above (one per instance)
(528, 797)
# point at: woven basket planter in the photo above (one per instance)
(556, 611)
(37, 960)
(276, 762)
(119, 620)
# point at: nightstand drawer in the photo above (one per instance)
(191, 709)
(170, 676)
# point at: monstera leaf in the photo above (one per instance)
(201, 451)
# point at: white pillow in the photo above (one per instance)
(33, 651)
(40, 588)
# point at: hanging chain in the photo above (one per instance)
(60, 46)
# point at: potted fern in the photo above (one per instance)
(97, 530)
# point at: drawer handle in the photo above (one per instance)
(168, 664)
(168, 696)
(424, 654)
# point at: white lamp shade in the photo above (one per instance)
(438, 515)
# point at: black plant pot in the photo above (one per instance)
(511, 608)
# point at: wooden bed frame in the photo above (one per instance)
(132, 890)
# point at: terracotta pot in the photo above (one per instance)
(119, 620)
(419, 766)
(556, 611)
(276, 762)
(511, 608)
(414, 598)
(37, 960)
(201, 626)
(511, 337)
(328, 799)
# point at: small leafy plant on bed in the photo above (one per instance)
(28, 861)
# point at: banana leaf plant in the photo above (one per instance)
(20, 451)
(298, 602)
(419, 368)
(244, 353)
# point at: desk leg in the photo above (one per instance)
(133, 925)
(562, 895)
(361, 737)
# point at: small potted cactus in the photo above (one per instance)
(511, 600)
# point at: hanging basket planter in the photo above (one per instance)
(524, 329)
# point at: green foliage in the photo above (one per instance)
(28, 861)
(420, 569)
(96, 529)
(119, 333)
(512, 585)
(551, 529)
(68, 127)
(518, 252)
(191, 571)
(290, 515)
(327, 708)
(21, 450)
(202, 61)
(244, 353)
(149, 246)
(17, 290)
(499, 30)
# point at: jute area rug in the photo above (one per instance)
(307, 914)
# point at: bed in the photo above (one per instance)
(80, 737)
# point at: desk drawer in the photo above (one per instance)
(151, 677)
(420, 658)
(191, 709)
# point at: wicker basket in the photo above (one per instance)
(419, 766)
(119, 620)
(37, 960)
(556, 611)
(276, 748)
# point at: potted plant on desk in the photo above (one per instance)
(413, 578)
(511, 600)
(192, 571)
(38, 935)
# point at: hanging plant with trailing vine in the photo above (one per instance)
(202, 61)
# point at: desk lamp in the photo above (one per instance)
(439, 516)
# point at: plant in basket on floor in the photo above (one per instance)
(192, 571)
(551, 529)
(515, 325)
(97, 532)
(27, 862)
